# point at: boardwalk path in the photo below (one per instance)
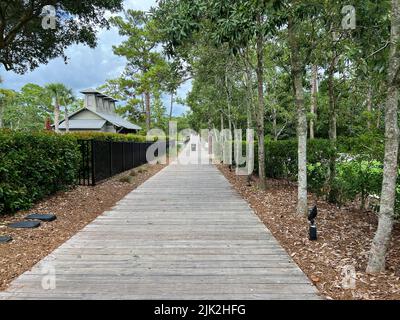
(183, 234)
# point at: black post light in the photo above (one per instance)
(312, 214)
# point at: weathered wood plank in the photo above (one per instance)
(183, 234)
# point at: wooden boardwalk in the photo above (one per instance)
(183, 234)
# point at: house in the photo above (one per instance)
(98, 114)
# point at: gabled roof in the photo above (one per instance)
(110, 117)
(83, 124)
(117, 120)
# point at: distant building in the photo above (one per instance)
(98, 114)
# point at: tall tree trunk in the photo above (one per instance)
(1, 112)
(314, 91)
(229, 117)
(274, 124)
(332, 196)
(297, 75)
(148, 113)
(228, 100)
(249, 97)
(332, 101)
(260, 107)
(56, 116)
(369, 106)
(382, 237)
(171, 106)
(66, 120)
(2, 106)
(222, 121)
(378, 117)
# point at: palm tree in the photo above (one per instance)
(59, 93)
(67, 99)
(1, 106)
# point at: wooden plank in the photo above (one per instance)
(183, 234)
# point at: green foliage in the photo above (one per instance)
(317, 177)
(281, 156)
(34, 165)
(107, 136)
(358, 178)
(367, 146)
(28, 108)
(27, 44)
(359, 167)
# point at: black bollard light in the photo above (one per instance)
(312, 214)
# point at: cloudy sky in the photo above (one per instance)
(86, 67)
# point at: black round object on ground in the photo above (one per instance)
(41, 217)
(5, 239)
(24, 225)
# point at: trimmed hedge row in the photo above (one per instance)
(34, 165)
(107, 136)
(359, 166)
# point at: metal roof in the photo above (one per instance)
(90, 90)
(117, 120)
(84, 124)
(110, 117)
(101, 94)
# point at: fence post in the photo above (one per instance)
(111, 157)
(93, 159)
(133, 154)
(123, 157)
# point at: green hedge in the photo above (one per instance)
(359, 166)
(34, 165)
(368, 146)
(105, 136)
(281, 157)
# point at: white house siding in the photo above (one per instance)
(90, 101)
(85, 115)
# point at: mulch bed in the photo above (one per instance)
(344, 238)
(74, 210)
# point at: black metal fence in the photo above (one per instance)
(104, 159)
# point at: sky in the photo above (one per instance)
(87, 68)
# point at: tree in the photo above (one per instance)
(297, 77)
(27, 109)
(66, 100)
(144, 62)
(159, 113)
(2, 100)
(7, 97)
(314, 93)
(376, 262)
(239, 25)
(59, 94)
(24, 43)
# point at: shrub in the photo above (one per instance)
(281, 156)
(317, 178)
(107, 136)
(34, 165)
(358, 178)
(359, 166)
(369, 146)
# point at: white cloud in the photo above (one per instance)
(86, 67)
